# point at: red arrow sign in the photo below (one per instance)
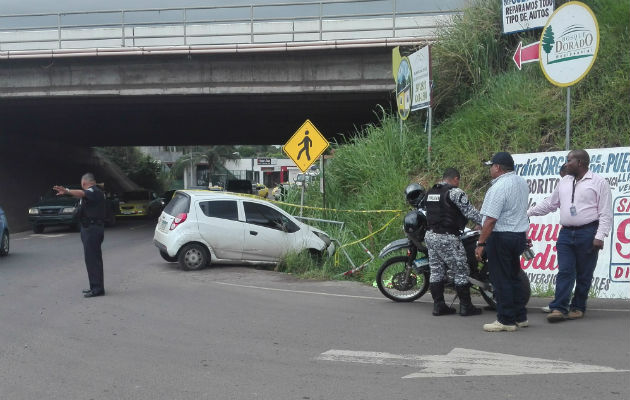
(526, 54)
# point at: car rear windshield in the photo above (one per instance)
(179, 204)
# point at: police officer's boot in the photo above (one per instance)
(466, 307)
(439, 306)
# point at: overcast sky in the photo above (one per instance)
(46, 6)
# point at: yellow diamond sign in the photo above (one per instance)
(305, 146)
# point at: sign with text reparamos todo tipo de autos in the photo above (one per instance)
(522, 15)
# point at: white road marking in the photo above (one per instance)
(299, 291)
(464, 362)
(372, 297)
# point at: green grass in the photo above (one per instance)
(543, 290)
(483, 105)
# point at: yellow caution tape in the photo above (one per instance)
(363, 238)
(336, 257)
(253, 196)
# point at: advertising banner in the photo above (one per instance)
(413, 81)
(521, 15)
(421, 73)
(541, 171)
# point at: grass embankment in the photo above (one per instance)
(483, 104)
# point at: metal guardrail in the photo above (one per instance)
(304, 22)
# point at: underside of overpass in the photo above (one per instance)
(207, 99)
(186, 120)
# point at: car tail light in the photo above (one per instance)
(178, 220)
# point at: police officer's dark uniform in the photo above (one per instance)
(448, 211)
(92, 217)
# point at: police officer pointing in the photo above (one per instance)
(448, 211)
(92, 217)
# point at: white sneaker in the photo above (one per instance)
(546, 309)
(523, 324)
(496, 326)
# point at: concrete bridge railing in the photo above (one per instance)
(218, 27)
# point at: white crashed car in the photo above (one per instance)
(201, 227)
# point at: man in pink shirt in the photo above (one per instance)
(584, 200)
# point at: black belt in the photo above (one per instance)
(573, 228)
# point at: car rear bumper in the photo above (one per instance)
(133, 213)
(160, 246)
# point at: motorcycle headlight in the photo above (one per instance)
(33, 211)
(68, 210)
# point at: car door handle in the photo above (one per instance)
(253, 233)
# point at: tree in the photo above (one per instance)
(140, 168)
(547, 41)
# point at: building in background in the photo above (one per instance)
(265, 170)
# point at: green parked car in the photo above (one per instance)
(53, 210)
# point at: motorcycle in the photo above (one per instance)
(405, 278)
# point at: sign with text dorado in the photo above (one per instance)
(521, 15)
(541, 171)
(569, 44)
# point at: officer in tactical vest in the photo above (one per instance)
(448, 211)
(92, 217)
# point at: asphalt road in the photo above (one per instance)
(242, 333)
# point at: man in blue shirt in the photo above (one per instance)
(504, 237)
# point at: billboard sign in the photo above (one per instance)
(413, 81)
(569, 44)
(522, 15)
(541, 171)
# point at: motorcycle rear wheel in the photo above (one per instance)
(391, 282)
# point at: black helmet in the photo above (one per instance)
(415, 225)
(414, 194)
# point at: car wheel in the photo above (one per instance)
(38, 228)
(4, 244)
(193, 257)
(166, 257)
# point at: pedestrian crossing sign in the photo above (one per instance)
(305, 146)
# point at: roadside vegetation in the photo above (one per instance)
(142, 169)
(483, 104)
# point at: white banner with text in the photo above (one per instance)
(522, 15)
(541, 170)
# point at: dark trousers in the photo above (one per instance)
(576, 263)
(504, 250)
(92, 236)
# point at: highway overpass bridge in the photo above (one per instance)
(207, 76)
(233, 98)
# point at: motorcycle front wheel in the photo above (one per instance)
(397, 281)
